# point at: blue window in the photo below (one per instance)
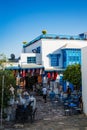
(54, 60)
(71, 56)
(38, 49)
(31, 59)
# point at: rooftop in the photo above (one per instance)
(54, 36)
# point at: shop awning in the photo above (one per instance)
(25, 66)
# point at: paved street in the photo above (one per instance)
(51, 117)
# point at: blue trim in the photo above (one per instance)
(71, 56)
(55, 59)
(31, 59)
(54, 36)
(20, 68)
(13, 68)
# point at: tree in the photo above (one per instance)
(2, 60)
(8, 79)
(73, 75)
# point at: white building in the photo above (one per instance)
(84, 79)
(53, 52)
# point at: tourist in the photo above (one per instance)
(32, 101)
(68, 91)
(44, 90)
(52, 96)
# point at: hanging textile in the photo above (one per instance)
(14, 73)
(17, 81)
(49, 75)
(37, 71)
(52, 76)
(41, 71)
(39, 79)
(33, 72)
(24, 74)
(21, 73)
(55, 75)
(22, 82)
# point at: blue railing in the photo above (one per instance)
(54, 36)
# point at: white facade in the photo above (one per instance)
(23, 59)
(50, 46)
(47, 47)
(84, 79)
(28, 52)
(54, 46)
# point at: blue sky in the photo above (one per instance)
(23, 20)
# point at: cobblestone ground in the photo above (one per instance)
(51, 117)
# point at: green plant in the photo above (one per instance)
(44, 32)
(8, 79)
(73, 75)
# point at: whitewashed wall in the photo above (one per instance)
(24, 56)
(39, 58)
(84, 78)
(29, 49)
(49, 46)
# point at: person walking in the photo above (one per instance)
(68, 91)
(44, 91)
(52, 96)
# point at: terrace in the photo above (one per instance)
(54, 36)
